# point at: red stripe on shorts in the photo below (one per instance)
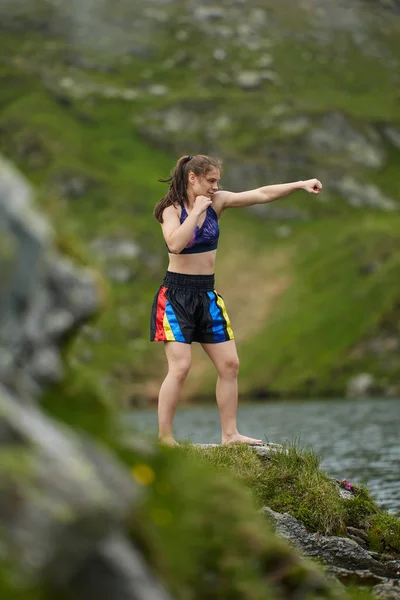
(160, 312)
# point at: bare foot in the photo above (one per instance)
(168, 441)
(241, 439)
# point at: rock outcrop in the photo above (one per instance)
(44, 297)
(345, 557)
(63, 500)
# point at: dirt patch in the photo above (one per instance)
(251, 287)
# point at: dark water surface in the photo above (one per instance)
(357, 439)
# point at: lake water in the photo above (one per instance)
(357, 439)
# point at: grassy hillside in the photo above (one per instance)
(281, 92)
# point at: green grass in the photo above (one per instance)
(331, 304)
(291, 481)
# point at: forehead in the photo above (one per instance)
(213, 174)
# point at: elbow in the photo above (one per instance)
(173, 248)
(267, 198)
(264, 196)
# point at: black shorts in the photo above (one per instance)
(187, 309)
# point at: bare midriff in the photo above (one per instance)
(193, 264)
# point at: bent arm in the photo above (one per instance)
(267, 193)
(177, 235)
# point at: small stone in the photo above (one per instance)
(265, 61)
(249, 80)
(219, 54)
(360, 385)
(158, 90)
(295, 125)
(67, 82)
(208, 13)
(129, 94)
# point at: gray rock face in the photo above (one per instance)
(364, 195)
(65, 490)
(62, 511)
(336, 134)
(63, 501)
(345, 558)
(389, 590)
(43, 296)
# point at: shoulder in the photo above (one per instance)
(171, 212)
(219, 201)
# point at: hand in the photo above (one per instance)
(313, 186)
(201, 204)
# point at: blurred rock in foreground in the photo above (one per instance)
(43, 296)
(63, 501)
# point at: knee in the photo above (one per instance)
(180, 369)
(230, 367)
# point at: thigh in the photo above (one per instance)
(223, 354)
(178, 354)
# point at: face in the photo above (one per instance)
(204, 185)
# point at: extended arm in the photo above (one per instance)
(267, 193)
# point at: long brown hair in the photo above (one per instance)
(199, 165)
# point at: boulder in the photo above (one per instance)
(64, 501)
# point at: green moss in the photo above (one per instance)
(14, 463)
(384, 535)
(361, 510)
(13, 590)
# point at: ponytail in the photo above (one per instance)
(199, 165)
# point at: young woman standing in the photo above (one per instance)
(186, 307)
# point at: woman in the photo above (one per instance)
(186, 308)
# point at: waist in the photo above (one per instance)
(198, 248)
(200, 283)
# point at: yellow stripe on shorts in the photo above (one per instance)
(167, 328)
(221, 304)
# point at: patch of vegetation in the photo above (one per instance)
(384, 534)
(202, 533)
(290, 481)
(12, 590)
(80, 402)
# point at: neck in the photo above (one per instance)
(190, 198)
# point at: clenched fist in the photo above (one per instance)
(313, 186)
(201, 204)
